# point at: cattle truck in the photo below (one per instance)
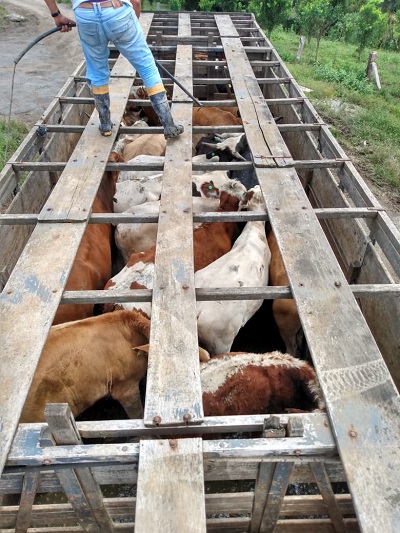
(176, 470)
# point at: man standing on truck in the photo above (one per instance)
(101, 21)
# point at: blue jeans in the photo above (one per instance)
(97, 27)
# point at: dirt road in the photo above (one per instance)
(44, 69)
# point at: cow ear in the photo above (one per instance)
(141, 350)
(204, 356)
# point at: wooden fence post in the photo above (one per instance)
(372, 69)
(301, 46)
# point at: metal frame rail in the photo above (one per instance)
(363, 402)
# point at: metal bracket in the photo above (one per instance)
(273, 427)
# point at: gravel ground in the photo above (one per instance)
(42, 72)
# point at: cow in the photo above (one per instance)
(245, 265)
(92, 265)
(230, 147)
(210, 241)
(138, 187)
(137, 191)
(127, 138)
(147, 144)
(242, 383)
(87, 360)
(252, 383)
(212, 116)
(284, 310)
(138, 237)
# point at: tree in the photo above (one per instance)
(175, 5)
(367, 27)
(316, 17)
(270, 13)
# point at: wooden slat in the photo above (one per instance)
(355, 380)
(37, 281)
(170, 497)
(325, 488)
(28, 493)
(276, 494)
(63, 429)
(261, 131)
(173, 380)
(261, 491)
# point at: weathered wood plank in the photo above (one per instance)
(42, 271)
(325, 488)
(63, 429)
(276, 494)
(169, 503)
(24, 514)
(254, 111)
(173, 379)
(350, 367)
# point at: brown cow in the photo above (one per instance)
(249, 384)
(92, 266)
(213, 116)
(86, 360)
(90, 359)
(284, 310)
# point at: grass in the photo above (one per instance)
(3, 16)
(365, 121)
(18, 131)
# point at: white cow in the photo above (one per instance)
(138, 237)
(246, 265)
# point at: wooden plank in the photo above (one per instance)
(261, 131)
(62, 427)
(42, 271)
(261, 491)
(316, 429)
(325, 488)
(350, 367)
(28, 493)
(184, 28)
(276, 494)
(173, 378)
(170, 503)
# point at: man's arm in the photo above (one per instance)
(59, 20)
(137, 7)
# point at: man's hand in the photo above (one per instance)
(63, 21)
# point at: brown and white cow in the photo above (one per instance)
(138, 237)
(249, 383)
(210, 241)
(92, 266)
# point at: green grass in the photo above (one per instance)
(365, 121)
(3, 17)
(17, 133)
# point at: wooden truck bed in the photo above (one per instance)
(342, 255)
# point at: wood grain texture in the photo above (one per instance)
(36, 284)
(173, 380)
(170, 503)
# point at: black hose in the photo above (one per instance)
(46, 34)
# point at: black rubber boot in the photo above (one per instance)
(102, 103)
(161, 107)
